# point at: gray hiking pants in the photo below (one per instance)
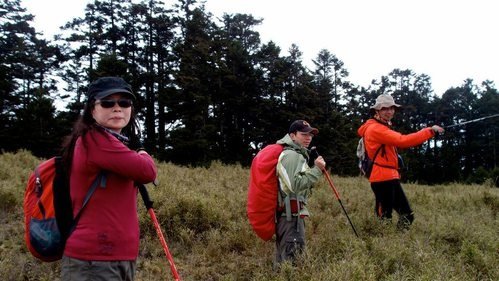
(290, 239)
(80, 270)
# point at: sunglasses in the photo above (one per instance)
(125, 103)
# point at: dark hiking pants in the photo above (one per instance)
(290, 239)
(79, 270)
(390, 196)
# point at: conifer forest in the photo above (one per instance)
(209, 90)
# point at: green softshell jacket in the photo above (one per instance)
(296, 178)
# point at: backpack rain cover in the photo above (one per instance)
(262, 191)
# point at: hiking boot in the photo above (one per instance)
(405, 222)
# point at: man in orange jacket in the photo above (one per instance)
(385, 176)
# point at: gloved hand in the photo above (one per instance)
(437, 129)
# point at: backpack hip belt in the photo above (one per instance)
(291, 208)
(293, 205)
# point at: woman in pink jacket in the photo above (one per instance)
(104, 244)
(385, 177)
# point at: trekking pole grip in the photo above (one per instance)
(145, 196)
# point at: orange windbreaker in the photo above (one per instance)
(375, 134)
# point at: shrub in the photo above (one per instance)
(8, 201)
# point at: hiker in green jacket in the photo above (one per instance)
(296, 180)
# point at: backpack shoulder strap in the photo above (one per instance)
(381, 147)
(284, 199)
(100, 180)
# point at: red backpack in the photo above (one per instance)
(262, 191)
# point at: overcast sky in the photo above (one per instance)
(447, 40)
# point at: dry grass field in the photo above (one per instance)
(202, 212)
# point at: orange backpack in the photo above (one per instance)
(48, 212)
(263, 190)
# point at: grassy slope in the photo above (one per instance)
(202, 213)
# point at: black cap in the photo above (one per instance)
(302, 126)
(106, 86)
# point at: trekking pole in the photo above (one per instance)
(313, 149)
(471, 121)
(148, 203)
(339, 200)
